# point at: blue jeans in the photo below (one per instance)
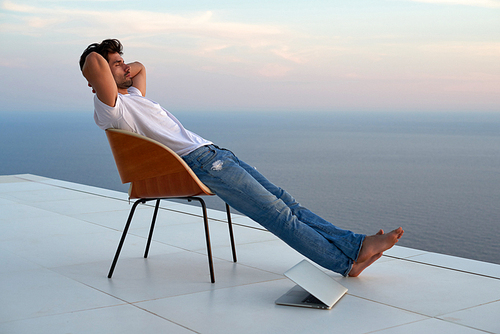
(246, 190)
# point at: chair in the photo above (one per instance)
(155, 173)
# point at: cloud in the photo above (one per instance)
(88, 22)
(285, 53)
(475, 3)
(191, 35)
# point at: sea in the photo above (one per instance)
(435, 174)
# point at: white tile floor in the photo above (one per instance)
(57, 240)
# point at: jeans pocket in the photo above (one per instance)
(206, 157)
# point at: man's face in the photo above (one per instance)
(120, 71)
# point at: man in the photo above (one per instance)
(120, 102)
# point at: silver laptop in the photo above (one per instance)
(314, 289)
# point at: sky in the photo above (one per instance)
(261, 55)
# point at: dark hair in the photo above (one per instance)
(105, 47)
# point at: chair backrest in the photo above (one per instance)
(154, 170)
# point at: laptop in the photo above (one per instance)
(314, 289)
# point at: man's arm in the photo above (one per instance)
(138, 74)
(97, 72)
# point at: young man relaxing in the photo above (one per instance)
(120, 102)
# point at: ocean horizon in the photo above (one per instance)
(435, 174)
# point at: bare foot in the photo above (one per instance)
(357, 268)
(378, 243)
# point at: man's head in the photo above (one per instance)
(111, 51)
(104, 48)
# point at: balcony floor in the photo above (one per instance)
(58, 239)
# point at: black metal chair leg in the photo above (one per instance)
(207, 236)
(124, 234)
(153, 222)
(231, 235)
(146, 252)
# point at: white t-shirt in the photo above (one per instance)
(135, 113)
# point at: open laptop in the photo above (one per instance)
(314, 289)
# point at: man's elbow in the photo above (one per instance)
(93, 63)
(137, 67)
(94, 60)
